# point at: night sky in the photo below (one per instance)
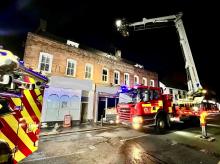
(91, 23)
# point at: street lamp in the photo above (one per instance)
(118, 23)
(122, 27)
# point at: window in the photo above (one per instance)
(152, 83)
(45, 62)
(64, 102)
(171, 91)
(179, 93)
(184, 94)
(144, 81)
(88, 71)
(126, 79)
(116, 77)
(71, 67)
(104, 74)
(136, 80)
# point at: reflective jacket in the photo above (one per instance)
(203, 116)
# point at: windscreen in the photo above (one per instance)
(138, 95)
(128, 97)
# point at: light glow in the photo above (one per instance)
(204, 91)
(118, 23)
(195, 108)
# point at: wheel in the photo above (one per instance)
(161, 124)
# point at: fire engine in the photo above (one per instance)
(159, 111)
(21, 95)
(141, 106)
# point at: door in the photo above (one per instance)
(101, 107)
(84, 112)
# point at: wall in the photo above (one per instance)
(61, 52)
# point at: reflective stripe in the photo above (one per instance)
(32, 104)
(4, 158)
(155, 109)
(24, 112)
(146, 105)
(203, 117)
(21, 134)
(160, 103)
(18, 155)
(170, 109)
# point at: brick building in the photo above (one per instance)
(82, 82)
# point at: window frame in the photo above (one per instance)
(88, 64)
(118, 77)
(136, 76)
(74, 68)
(144, 79)
(128, 79)
(50, 56)
(153, 83)
(106, 75)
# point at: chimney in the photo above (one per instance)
(42, 26)
(118, 54)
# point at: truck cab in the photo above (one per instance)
(141, 106)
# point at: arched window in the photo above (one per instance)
(64, 102)
(53, 101)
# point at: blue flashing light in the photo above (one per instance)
(123, 89)
(21, 62)
(3, 53)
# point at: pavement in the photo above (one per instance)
(57, 129)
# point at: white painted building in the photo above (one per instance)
(68, 96)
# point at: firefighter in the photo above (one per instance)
(6, 156)
(203, 123)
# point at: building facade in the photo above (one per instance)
(89, 78)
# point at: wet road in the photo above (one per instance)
(124, 146)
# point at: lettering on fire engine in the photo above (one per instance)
(146, 110)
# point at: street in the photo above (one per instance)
(119, 145)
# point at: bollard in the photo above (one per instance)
(101, 120)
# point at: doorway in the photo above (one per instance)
(84, 112)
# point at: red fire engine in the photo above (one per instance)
(21, 95)
(142, 106)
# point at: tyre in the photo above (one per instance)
(161, 124)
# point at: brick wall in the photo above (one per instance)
(61, 52)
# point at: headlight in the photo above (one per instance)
(195, 108)
(138, 119)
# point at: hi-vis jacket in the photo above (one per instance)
(203, 116)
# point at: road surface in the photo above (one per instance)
(122, 145)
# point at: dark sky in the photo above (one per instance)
(92, 23)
